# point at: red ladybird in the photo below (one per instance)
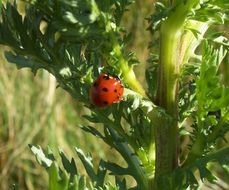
(106, 90)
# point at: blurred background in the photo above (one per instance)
(34, 111)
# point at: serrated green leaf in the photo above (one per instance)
(57, 180)
(49, 154)
(210, 93)
(101, 174)
(116, 169)
(222, 40)
(195, 32)
(192, 179)
(220, 156)
(205, 174)
(73, 185)
(41, 157)
(92, 118)
(70, 167)
(137, 101)
(23, 62)
(151, 74)
(93, 131)
(88, 165)
(121, 184)
(82, 183)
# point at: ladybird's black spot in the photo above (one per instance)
(105, 102)
(105, 89)
(115, 90)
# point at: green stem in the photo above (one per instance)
(167, 97)
(127, 71)
(173, 52)
(131, 159)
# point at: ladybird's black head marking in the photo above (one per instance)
(105, 89)
(105, 102)
(116, 77)
(106, 77)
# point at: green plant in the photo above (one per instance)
(186, 99)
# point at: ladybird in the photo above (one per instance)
(106, 90)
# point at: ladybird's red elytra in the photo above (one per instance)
(106, 90)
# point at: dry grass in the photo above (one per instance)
(33, 111)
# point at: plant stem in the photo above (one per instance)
(173, 53)
(131, 159)
(176, 49)
(127, 71)
(167, 97)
